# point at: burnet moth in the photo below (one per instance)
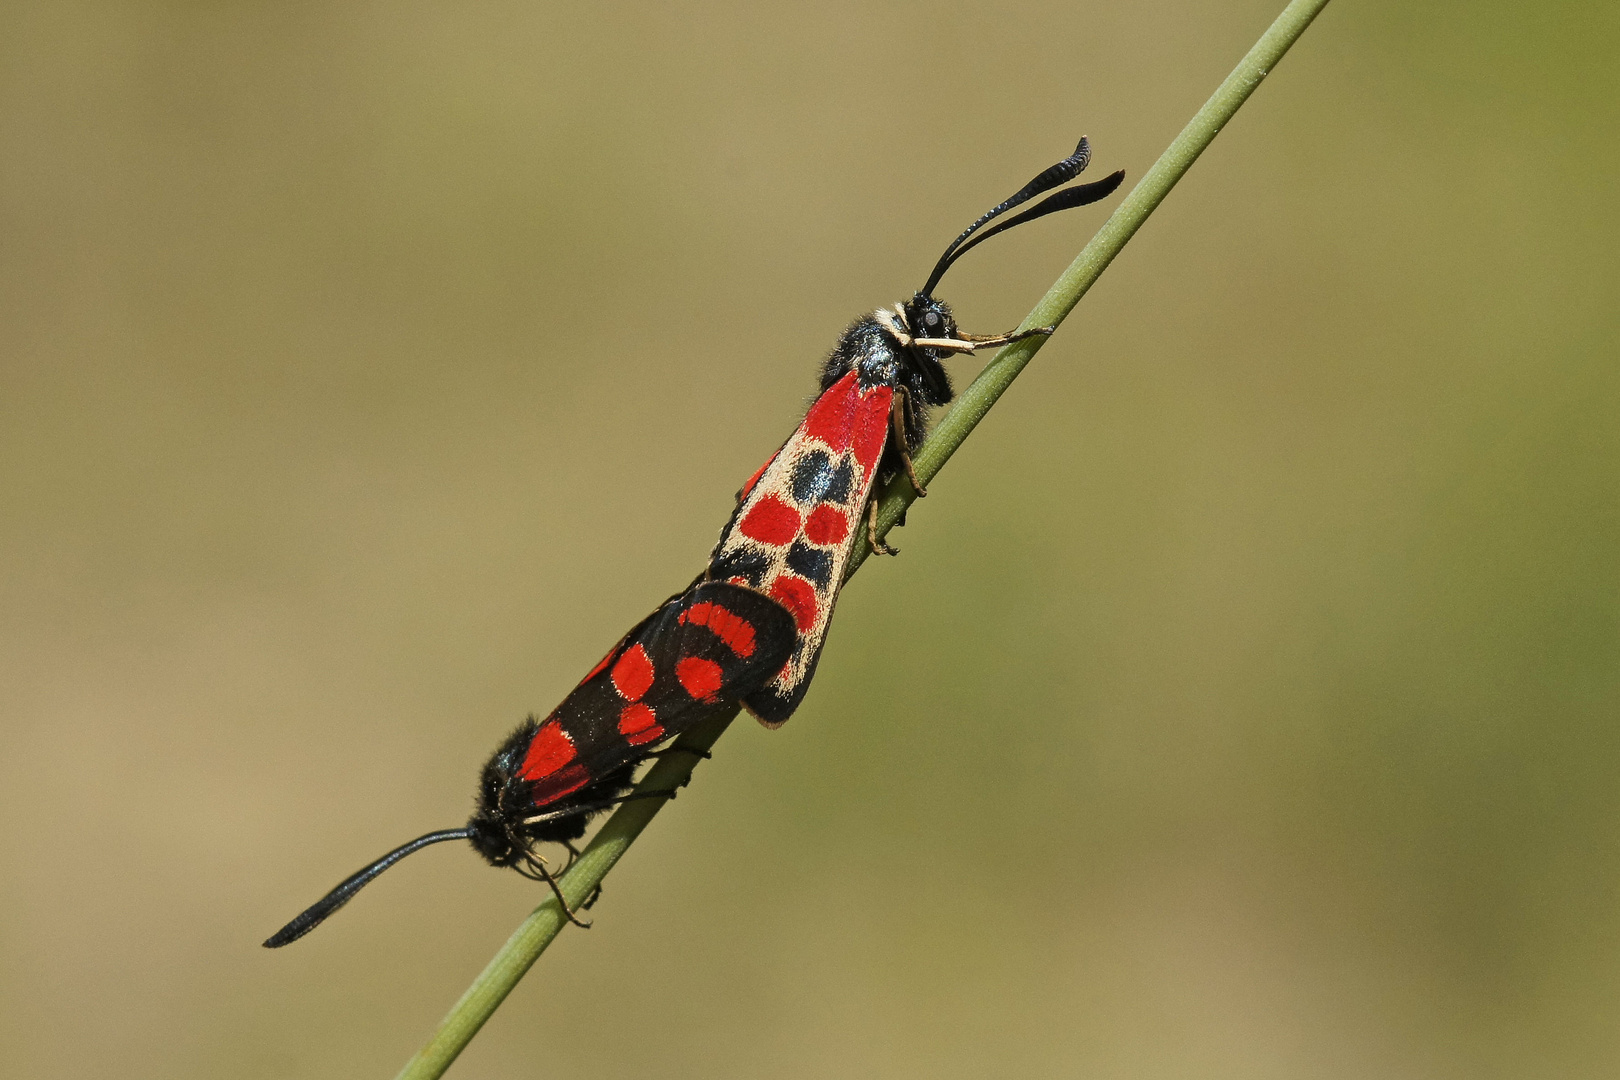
(697, 655)
(796, 519)
(750, 630)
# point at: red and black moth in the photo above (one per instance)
(751, 628)
(798, 517)
(694, 657)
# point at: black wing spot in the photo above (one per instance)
(810, 563)
(843, 479)
(741, 563)
(812, 474)
(816, 479)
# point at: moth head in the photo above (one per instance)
(492, 838)
(927, 317)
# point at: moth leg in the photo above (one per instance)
(968, 342)
(878, 547)
(563, 901)
(702, 755)
(538, 872)
(897, 421)
(945, 344)
(1011, 336)
(592, 808)
(573, 856)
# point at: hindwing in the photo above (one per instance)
(698, 654)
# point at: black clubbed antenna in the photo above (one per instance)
(316, 913)
(1055, 176)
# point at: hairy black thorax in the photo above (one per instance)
(880, 348)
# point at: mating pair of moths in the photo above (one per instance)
(749, 630)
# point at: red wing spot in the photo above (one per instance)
(600, 664)
(639, 724)
(771, 521)
(752, 480)
(871, 428)
(549, 750)
(633, 674)
(551, 788)
(830, 415)
(826, 526)
(799, 597)
(736, 631)
(700, 677)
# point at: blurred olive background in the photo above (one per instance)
(1243, 705)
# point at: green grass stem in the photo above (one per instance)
(672, 771)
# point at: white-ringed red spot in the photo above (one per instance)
(700, 677)
(555, 785)
(639, 724)
(826, 526)
(770, 521)
(633, 674)
(799, 597)
(735, 631)
(549, 750)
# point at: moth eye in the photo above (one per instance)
(931, 319)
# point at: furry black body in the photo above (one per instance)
(880, 348)
(504, 829)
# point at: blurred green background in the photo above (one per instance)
(1243, 705)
